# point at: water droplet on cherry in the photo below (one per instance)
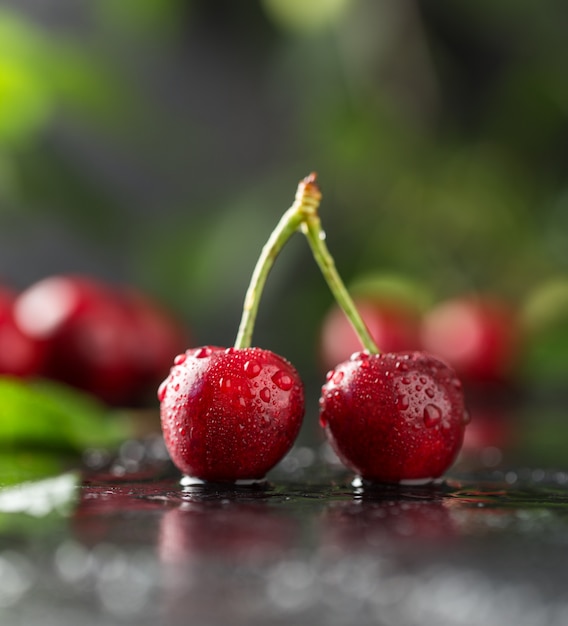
(432, 415)
(403, 402)
(338, 377)
(405, 380)
(180, 358)
(252, 368)
(282, 380)
(265, 394)
(225, 383)
(203, 352)
(430, 392)
(162, 390)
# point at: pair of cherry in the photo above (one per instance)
(232, 414)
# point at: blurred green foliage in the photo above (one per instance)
(165, 139)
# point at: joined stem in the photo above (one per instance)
(302, 214)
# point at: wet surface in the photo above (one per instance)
(126, 543)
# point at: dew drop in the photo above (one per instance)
(176, 387)
(252, 368)
(403, 402)
(402, 367)
(265, 394)
(203, 352)
(418, 388)
(162, 390)
(405, 380)
(329, 375)
(432, 415)
(338, 377)
(230, 350)
(180, 358)
(225, 383)
(282, 380)
(423, 380)
(430, 392)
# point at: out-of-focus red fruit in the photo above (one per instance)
(478, 336)
(394, 329)
(87, 333)
(159, 337)
(20, 355)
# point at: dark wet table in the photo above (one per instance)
(128, 544)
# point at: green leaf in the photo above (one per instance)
(48, 415)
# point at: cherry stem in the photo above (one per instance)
(289, 223)
(302, 214)
(311, 227)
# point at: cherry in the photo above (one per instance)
(87, 334)
(232, 414)
(391, 417)
(478, 336)
(159, 337)
(20, 355)
(394, 417)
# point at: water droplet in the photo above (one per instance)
(403, 367)
(176, 387)
(230, 350)
(432, 415)
(338, 377)
(282, 380)
(203, 352)
(162, 390)
(265, 394)
(403, 402)
(180, 358)
(362, 355)
(430, 392)
(405, 380)
(329, 375)
(423, 380)
(225, 383)
(252, 368)
(418, 388)
(322, 235)
(182, 431)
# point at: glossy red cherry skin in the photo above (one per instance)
(230, 414)
(394, 417)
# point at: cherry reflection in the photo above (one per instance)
(240, 532)
(387, 520)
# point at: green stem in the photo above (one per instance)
(316, 238)
(289, 223)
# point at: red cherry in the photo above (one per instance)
(393, 327)
(159, 336)
(20, 355)
(479, 337)
(87, 333)
(394, 417)
(230, 414)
